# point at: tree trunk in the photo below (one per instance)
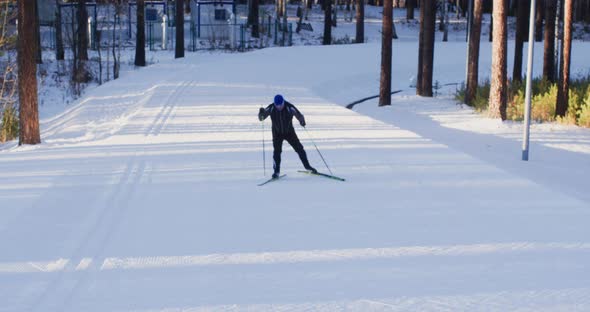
(115, 43)
(410, 5)
(420, 50)
(82, 31)
(284, 10)
(464, 7)
(140, 36)
(27, 74)
(521, 24)
(255, 27)
(59, 43)
(564, 79)
(497, 108)
(179, 19)
(426, 45)
(473, 61)
(187, 7)
(445, 22)
(540, 12)
(360, 21)
(327, 22)
(386, 47)
(549, 44)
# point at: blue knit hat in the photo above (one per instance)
(278, 101)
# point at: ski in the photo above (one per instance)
(271, 179)
(323, 175)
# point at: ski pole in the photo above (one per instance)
(263, 150)
(317, 149)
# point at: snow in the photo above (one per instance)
(143, 195)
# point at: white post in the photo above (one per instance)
(164, 23)
(90, 31)
(232, 31)
(529, 85)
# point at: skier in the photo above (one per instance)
(281, 114)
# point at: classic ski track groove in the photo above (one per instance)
(59, 292)
(165, 111)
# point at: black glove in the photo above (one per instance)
(302, 123)
(261, 114)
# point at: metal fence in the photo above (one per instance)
(162, 35)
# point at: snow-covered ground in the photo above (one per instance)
(143, 195)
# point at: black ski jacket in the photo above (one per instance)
(282, 120)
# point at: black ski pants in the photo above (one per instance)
(277, 142)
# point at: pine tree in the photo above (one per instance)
(497, 107)
(540, 12)
(140, 36)
(566, 50)
(254, 19)
(327, 22)
(179, 52)
(82, 31)
(410, 5)
(549, 44)
(360, 21)
(59, 44)
(386, 47)
(523, 9)
(27, 74)
(426, 47)
(473, 61)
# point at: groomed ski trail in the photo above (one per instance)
(151, 204)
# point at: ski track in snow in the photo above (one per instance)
(143, 197)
